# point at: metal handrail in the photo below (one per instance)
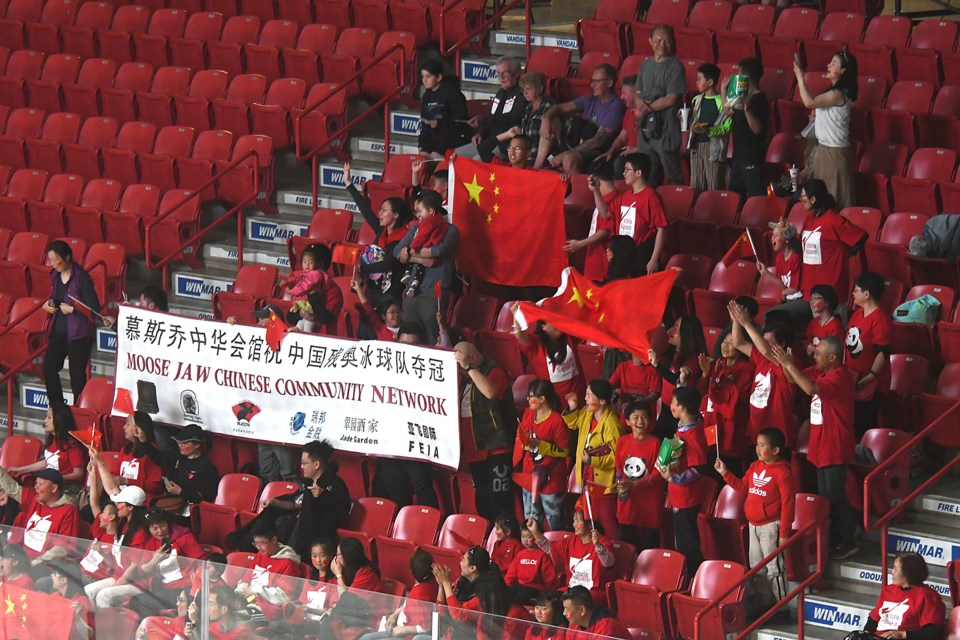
(10, 376)
(884, 521)
(164, 263)
(488, 22)
(313, 154)
(797, 592)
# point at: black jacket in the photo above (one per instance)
(447, 105)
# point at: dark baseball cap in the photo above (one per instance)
(52, 475)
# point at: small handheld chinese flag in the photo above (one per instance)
(437, 293)
(84, 310)
(276, 330)
(710, 431)
(742, 248)
(90, 437)
(123, 403)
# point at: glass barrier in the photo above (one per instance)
(78, 589)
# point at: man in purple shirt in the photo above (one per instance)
(597, 121)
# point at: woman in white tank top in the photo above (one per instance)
(832, 158)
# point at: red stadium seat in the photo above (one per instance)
(871, 94)
(936, 35)
(46, 214)
(19, 451)
(794, 25)
(777, 83)
(263, 57)
(80, 38)
(909, 375)
(570, 88)
(239, 182)
(552, 62)
(836, 30)
(867, 218)
(124, 226)
(168, 234)
(23, 124)
(188, 51)
(303, 61)
(11, 26)
(883, 35)
(918, 190)
(603, 31)
(296, 10)
(713, 578)
(694, 268)
(232, 112)
(725, 284)
(116, 42)
(939, 127)
(83, 158)
(887, 256)
(740, 41)
(25, 249)
(503, 348)
(119, 160)
(672, 12)
(253, 283)
(473, 311)
(383, 78)
(334, 12)
(117, 101)
(58, 69)
(415, 18)
(895, 122)
(932, 271)
(225, 52)
(27, 337)
(677, 201)
(107, 265)
(152, 47)
(723, 533)
(45, 152)
(172, 142)
(711, 210)
(215, 522)
(85, 220)
(461, 531)
(81, 98)
(894, 483)
(642, 601)
(801, 558)
(156, 104)
(238, 490)
(210, 147)
(353, 45)
(24, 185)
(369, 517)
(44, 34)
(272, 118)
(878, 162)
(23, 65)
(115, 622)
(193, 109)
(415, 525)
(316, 125)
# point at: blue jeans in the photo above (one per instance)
(549, 504)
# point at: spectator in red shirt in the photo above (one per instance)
(726, 381)
(61, 451)
(787, 261)
(626, 141)
(601, 227)
(640, 489)
(531, 572)
(137, 466)
(868, 350)
(636, 380)
(488, 427)
(65, 581)
(385, 320)
(679, 367)
(907, 609)
(225, 624)
(548, 612)
(551, 354)
(46, 514)
(769, 507)
(830, 385)
(275, 576)
(414, 615)
(507, 532)
(540, 453)
(580, 612)
(352, 568)
(826, 322)
(504, 619)
(15, 567)
(638, 213)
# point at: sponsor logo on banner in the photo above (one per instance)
(347, 391)
(405, 124)
(941, 506)
(106, 341)
(475, 71)
(36, 397)
(330, 203)
(857, 574)
(834, 616)
(200, 288)
(563, 43)
(516, 38)
(190, 406)
(273, 232)
(376, 146)
(938, 552)
(333, 177)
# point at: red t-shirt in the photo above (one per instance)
(693, 454)
(630, 126)
(378, 325)
(161, 628)
(366, 579)
(43, 525)
(771, 494)
(666, 388)
(817, 332)
(95, 562)
(579, 564)
(142, 472)
(565, 376)
(900, 609)
(831, 417)
(504, 551)
(771, 400)
(826, 242)
(595, 261)
(639, 215)
(554, 430)
(274, 572)
(419, 606)
(727, 404)
(174, 573)
(66, 458)
(637, 380)
(498, 378)
(864, 335)
(532, 568)
(635, 461)
(788, 269)
(23, 582)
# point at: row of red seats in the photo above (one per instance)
(93, 213)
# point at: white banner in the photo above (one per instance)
(371, 397)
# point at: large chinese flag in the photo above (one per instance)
(511, 223)
(621, 314)
(30, 614)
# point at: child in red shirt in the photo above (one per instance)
(787, 261)
(826, 322)
(639, 489)
(508, 541)
(868, 349)
(386, 319)
(430, 233)
(771, 496)
(531, 572)
(601, 231)
(636, 380)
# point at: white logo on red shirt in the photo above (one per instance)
(634, 468)
(761, 480)
(854, 344)
(892, 614)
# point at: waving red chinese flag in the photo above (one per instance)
(511, 223)
(276, 330)
(621, 314)
(31, 614)
(741, 250)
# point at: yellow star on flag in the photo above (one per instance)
(496, 191)
(576, 297)
(496, 208)
(589, 294)
(473, 189)
(489, 218)
(602, 316)
(493, 177)
(10, 605)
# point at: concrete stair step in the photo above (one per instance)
(938, 545)
(838, 609)
(789, 632)
(861, 573)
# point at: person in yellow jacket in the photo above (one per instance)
(598, 429)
